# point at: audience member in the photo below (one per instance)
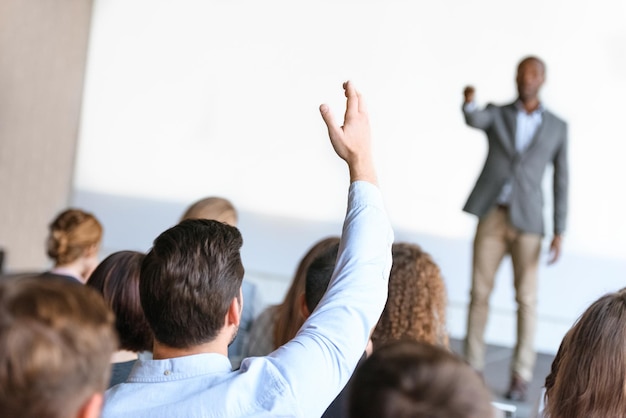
(73, 245)
(415, 308)
(222, 210)
(416, 305)
(190, 289)
(417, 380)
(213, 207)
(588, 374)
(318, 277)
(117, 279)
(56, 341)
(278, 324)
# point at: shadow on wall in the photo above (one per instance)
(273, 246)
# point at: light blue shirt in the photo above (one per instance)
(526, 127)
(299, 379)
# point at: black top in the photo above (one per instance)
(339, 407)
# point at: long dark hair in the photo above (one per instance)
(117, 279)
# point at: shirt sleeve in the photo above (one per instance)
(318, 362)
(469, 107)
(478, 118)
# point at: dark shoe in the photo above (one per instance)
(518, 390)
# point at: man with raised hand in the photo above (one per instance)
(191, 293)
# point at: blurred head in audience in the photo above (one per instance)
(416, 302)
(418, 380)
(289, 315)
(318, 277)
(117, 279)
(213, 207)
(74, 241)
(190, 285)
(56, 341)
(588, 375)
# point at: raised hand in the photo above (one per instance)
(352, 140)
(468, 94)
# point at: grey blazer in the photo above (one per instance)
(526, 169)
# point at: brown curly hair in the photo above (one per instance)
(416, 304)
(71, 233)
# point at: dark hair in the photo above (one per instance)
(588, 374)
(188, 280)
(288, 318)
(71, 233)
(318, 276)
(410, 379)
(117, 279)
(532, 58)
(416, 302)
(56, 341)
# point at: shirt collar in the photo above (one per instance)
(179, 367)
(520, 108)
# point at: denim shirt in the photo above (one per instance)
(299, 379)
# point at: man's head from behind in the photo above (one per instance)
(56, 341)
(418, 380)
(188, 282)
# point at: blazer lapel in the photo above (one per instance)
(509, 113)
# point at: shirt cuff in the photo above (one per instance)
(469, 107)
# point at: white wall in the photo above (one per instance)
(190, 98)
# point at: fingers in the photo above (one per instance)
(555, 253)
(329, 120)
(555, 249)
(352, 105)
(362, 106)
(355, 104)
(351, 141)
(468, 93)
(554, 258)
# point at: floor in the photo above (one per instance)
(497, 376)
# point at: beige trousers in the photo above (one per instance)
(496, 237)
